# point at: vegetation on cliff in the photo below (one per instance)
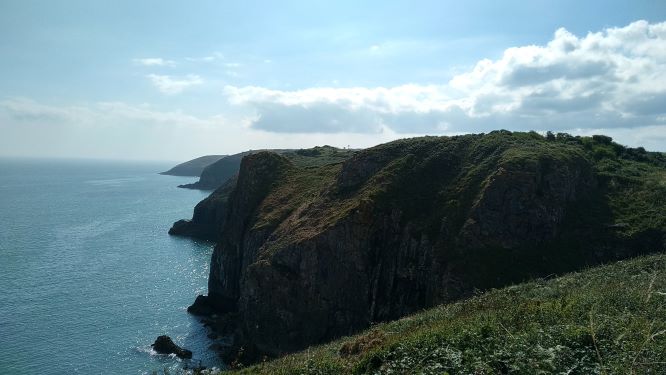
(605, 320)
(210, 214)
(218, 173)
(311, 251)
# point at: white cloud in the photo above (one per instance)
(174, 85)
(155, 61)
(209, 58)
(615, 78)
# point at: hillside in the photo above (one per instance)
(309, 253)
(193, 167)
(218, 173)
(605, 320)
(210, 214)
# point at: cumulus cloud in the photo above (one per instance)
(174, 85)
(155, 61)
(614, 78)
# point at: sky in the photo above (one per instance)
(173, 80)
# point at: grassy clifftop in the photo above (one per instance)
(312, 248)
(605, 320)
(437, 183)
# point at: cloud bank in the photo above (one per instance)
(119, 130)
(615, 78)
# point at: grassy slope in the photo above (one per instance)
(610, 319)
(311, 168)
(606, 320)
(451, 172)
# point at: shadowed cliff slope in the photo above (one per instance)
(309, 253)
(604, 320)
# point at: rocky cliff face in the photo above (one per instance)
(307, 254)
(209, 215)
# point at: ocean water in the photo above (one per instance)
(89, 276)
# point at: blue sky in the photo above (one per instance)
(175, 80)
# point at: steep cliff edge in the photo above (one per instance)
(309, 253)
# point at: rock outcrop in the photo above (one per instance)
(307, 254)
(209, 215)
(164, 345)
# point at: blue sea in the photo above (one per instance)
(89, 276)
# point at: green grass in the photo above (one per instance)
(605, 320)
(621, 215)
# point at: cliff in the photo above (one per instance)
(604, 320)
(193, 167)
(307, 253)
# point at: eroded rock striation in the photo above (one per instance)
(307, 253)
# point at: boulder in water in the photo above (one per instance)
(164, 345)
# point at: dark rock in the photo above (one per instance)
(164, 345)
(209, 215)
(181, 228)
(201, 307)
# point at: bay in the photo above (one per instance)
(89, 276)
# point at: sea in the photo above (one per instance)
(89, 276)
